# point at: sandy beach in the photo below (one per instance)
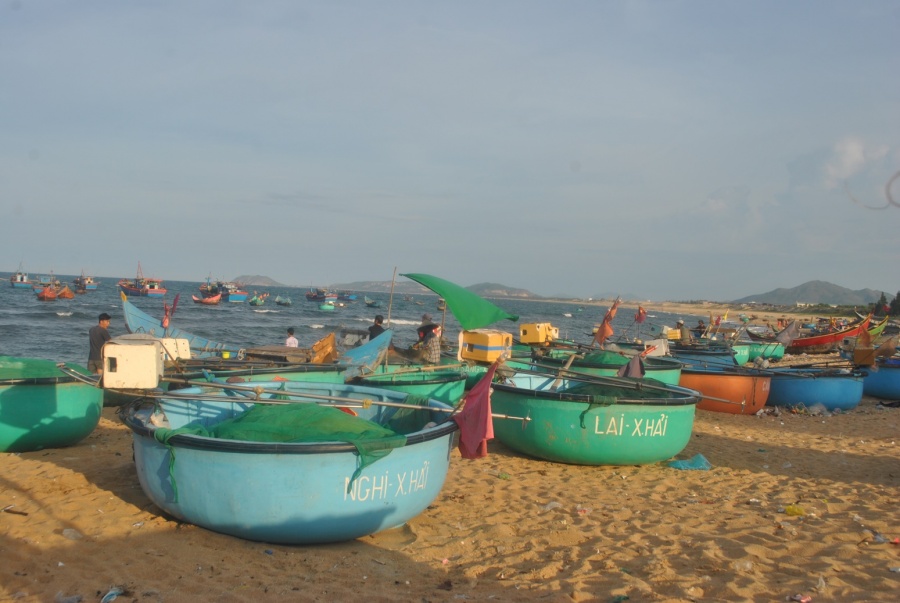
(505, 528)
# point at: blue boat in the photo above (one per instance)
(840, 389)
(330, 488)
(883, 379)
(704, 356)
(137, 321)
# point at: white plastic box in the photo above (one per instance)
(132, 364)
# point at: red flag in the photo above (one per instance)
(641, 315)
(605, 330)
(475, 424)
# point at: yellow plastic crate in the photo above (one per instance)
(539, 332)
(484, 345)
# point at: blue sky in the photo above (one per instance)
(673, 150)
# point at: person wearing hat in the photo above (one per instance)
(98, 335)
(686, 336)
(291, 341)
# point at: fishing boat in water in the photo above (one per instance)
(86, 283)
(230, 291)
(20, 279)
(212, 300)
(47, 294)
(42, 407)
(141, 286)
(598, 421)
(351, 460)
(65, 293)
(258, 299)
(283, 301)
(372, 303)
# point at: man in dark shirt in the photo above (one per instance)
(98, 335)
(376, 329)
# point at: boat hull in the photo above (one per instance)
(45, 412)
(570, 429)
(143, 292)
(830, 389)
(289, 493)
(734, 392)
(884, 382)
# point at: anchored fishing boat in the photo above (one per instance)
(86, 283)
(282, 301)
(141, 286)
(230, 291)
(212, 300)
(42, 407)
(20, 279)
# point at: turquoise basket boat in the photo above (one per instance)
(607, 364)
(622, 422)
(447, 386)
(767, 350)
(41, 407)
(289, 492)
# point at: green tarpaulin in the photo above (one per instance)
(472, 311)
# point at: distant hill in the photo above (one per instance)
(407, 287)
(255, 280)
(816, 292)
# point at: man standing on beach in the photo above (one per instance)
(98, 335)
(291, 341)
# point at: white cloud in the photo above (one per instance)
(851, 157)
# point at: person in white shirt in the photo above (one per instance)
(291, 341)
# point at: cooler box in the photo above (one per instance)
(541, 332)
(484, 345)
(135, 364)
(175, 349)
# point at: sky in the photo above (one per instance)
(669, 150)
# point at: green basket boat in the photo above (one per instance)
(41, 407)
(609, 421)
(444, 385)
(604, 363)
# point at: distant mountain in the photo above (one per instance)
(815, 292)
(255, 280)
(407, 287)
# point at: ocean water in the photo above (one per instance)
(59, 330)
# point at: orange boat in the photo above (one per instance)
(47, 294)
(731, 390)
(212, 300)
(65, 293)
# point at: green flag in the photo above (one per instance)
(472, 311)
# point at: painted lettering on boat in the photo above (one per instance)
(646, 427)
(379, 487)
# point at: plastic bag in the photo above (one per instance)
(697, 462)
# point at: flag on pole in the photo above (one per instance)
(605, 330)
(641, 315)
(475, 424)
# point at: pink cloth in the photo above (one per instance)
(476, 426)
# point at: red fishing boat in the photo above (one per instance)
(145, 287)
(47, 294)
